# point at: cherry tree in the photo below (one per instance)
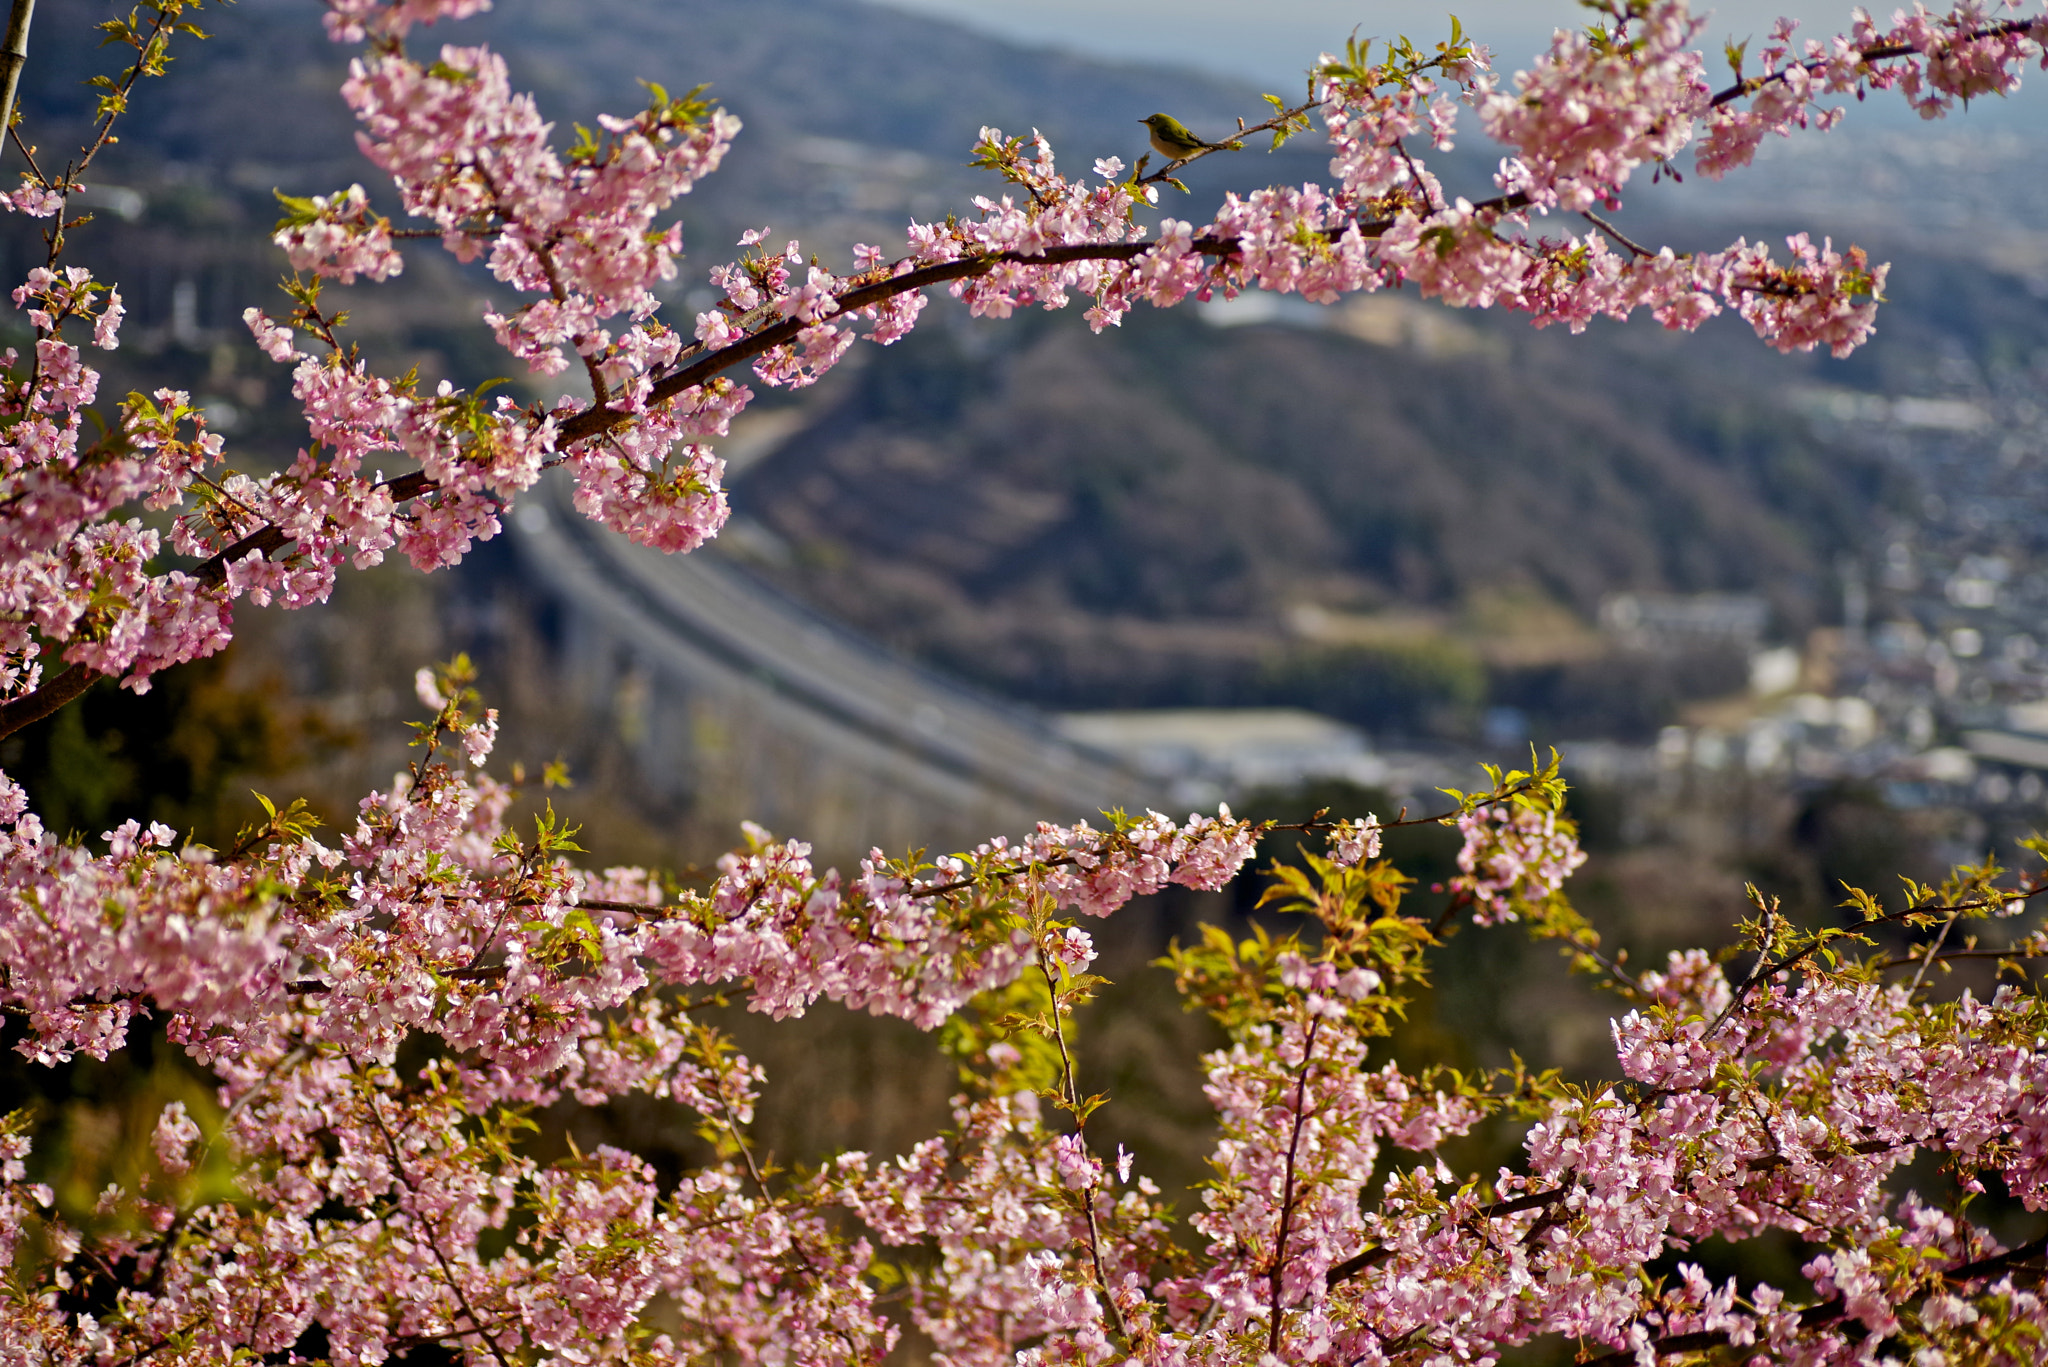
(1815, 1083)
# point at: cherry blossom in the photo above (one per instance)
(1513, 857)
(383, 1010)
(579, 238)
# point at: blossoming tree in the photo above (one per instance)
(383, 1210)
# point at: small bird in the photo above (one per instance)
(1172, 140)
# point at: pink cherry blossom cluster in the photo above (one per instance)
(337, 235)
(1513, 858)
(1932, 60)
(396, 1209)
(780, 288)
(889, 942)
(1005, 1204)
(580, 234)
(1296, 1101)
(475, 160)
(335, 509)
(1367, 125)
(1354, 842)
(298, 972)
(1054, 213)
(69, 571)
(1821, 297)
(1096, 872)
(1594, 109)
(353, 21)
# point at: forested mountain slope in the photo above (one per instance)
(1113, 523)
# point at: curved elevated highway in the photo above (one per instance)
(736, 702)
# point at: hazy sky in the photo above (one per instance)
(1273, 41)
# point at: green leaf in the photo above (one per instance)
(299, 211)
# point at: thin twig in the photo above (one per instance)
(1884, 52)
(1958, 955)
(1059, 1035)
(1233, 143)
(1415, 175)
(29, 155)
(433, 1236)
(165, 19)
(1276, 1278)
(1933, 950)
(1763, 969)
(1635, 249)
(732, 1127)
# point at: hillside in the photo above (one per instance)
(1266, 514)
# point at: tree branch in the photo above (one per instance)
(1340, 1273)
(433, 1240)
(14, 56)
(269, 539)
(599, 420)
(1277, 1277)
(1828, 1311)
(593, 422)
(1233, 143)
(1765, 969)
(1884, 52)
(32, 707)
(1059, 1034)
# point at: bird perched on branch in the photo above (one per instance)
(1172, 140)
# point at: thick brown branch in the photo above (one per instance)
(14, 56)
(268, 539)
(1829, 1311)
(1373, 1257)
(595, 421)
(1537, 1200)
(30, 708)
(598, 420)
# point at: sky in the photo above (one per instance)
(1273, 41)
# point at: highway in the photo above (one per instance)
(738, 702)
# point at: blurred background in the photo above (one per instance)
(1786, 617)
